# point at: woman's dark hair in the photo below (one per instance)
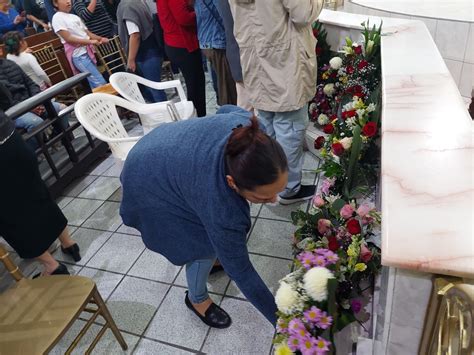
(12, 42)
(253, 158)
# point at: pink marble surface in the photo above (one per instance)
(427, 154)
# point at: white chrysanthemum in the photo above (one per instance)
(323, 119)
(335, 63)
(312, 107)
(346, 142)
(286, 298)
(329, 89)
(316, 283)
(371, 107)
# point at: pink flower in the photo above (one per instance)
(282, 326)
(326, 185)
(365, 253)
(356, 305)
(295, 326)
(318, 201)
(307, 346)
(331, 258)
(364, 210)
(306, 258)
(322, 345)
(347, 211)
(325, 321)
(324, 225)
(294, 343)
(313, 314)
(320, 261)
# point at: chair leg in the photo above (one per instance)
(104, 311)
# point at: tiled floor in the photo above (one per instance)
(145, 293)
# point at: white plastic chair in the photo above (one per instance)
(97, 113)
(126, 84)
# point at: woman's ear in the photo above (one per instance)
(231, 182)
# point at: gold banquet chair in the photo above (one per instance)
(35, 314)
(111, 56)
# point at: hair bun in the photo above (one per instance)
(243, 137)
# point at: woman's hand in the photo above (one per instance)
(94, 41)
(45, 26)
(19, 19)
(131, 65)
(103, 40)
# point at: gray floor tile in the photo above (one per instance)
(78, 210)
(78, 185)
(271, 270)
(255, 209)
(281, 212)
(106, 217)
(175, 323)
(102, 167)
(128, 230)
(116, 196)
(153, 266)
(108, 344)
(89, 242)
(134, 302)
(105, 281)
(272, 238)
(115, 170)
(63, 201)
(118, 254)
(216, 283)
(102, 188)
(250, 332)
(149, 347)
(311, 162)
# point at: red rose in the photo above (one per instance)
(365, 253)
(333, 244)
(314, 114)
(350, 69)
(319, 142)
(319, 50)
(355, 90)
(328, 129)
(315, 32)
(357, 49)
(333, 117)
(353, 226)
(370, 129)
(333, 75)
(347, 114)
(337, 149)
(362, 64)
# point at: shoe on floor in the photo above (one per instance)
(214, 317)
(73, 251)
(60, 270)
(306, 192)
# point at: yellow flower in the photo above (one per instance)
(351, 251)
(325, 75)
(360, 267)
(283, 349)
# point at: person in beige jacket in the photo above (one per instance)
(277, 52)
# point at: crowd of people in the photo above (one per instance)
(263, 55)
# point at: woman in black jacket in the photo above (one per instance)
(30, 221)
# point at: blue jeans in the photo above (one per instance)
(84, 63)
(197, 273)
(149, 66)
(288, 128)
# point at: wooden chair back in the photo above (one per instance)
(111, 56)
(49, 61)
(11, 267)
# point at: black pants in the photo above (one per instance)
(190, 65)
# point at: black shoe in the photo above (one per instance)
(214, 317)
(215, 269)
(73, 250)
(306, 192)
(60, 270)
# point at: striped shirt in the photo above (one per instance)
(98, 22)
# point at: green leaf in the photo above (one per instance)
(355, 151)
(344, 319)
(338, 204)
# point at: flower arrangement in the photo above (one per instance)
(336, 254)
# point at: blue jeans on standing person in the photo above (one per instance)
(288, 128)
(197, 273)
(84, 63)
(149, 60)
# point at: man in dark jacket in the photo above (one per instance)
(21, 87)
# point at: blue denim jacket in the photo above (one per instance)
(211, 32)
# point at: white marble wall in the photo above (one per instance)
(454, 39)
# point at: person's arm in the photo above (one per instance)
(182, 13)
(30, 85)
(99, 39)
(69, 38)
(303, 12)
(6, 26)
(133, 46)
(38, 22)
(82, 10)
(231, 249)
(37, 69)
